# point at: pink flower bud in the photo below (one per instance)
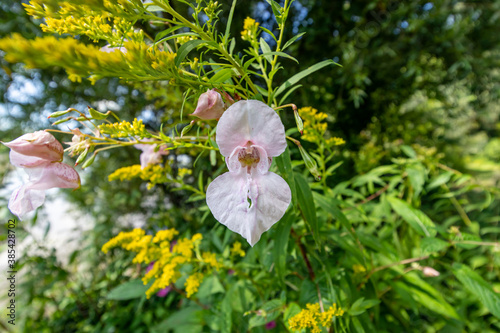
(210, 106)
(430, 272)
(40, 144)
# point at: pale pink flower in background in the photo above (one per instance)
(149, 155)
(39, 154)
(249, 198)
(430, 272)
(210, 106)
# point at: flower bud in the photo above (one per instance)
(310, 163)
(39, 144)
(210, 106)
(430, 272)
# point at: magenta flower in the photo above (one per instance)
(39, 154)
(210, 106)
(249, 198)
(149, 155)
(270, 325)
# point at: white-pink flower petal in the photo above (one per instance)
(24, 200)
(40, 144)
(248, 204)
(25, 161)
(252, 121)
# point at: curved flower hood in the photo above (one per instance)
(249, 198)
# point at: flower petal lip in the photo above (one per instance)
(228, 195)
(38, 144)
(251, 121)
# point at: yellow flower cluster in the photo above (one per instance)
(134, 61)
(183, 172)
(184, 39)
(250, 27)
(95, 27)
(130, 9)
(315, 127)
(192, 283)
(236, 250)
(168, 259)
(334, 141)
(313, 318)
(125, 129)
(153, 174)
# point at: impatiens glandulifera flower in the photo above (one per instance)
(40, 144)
(249, 198)
(210, 106)
(149, 155)
(39, 154)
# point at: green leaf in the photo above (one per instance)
(331, 206)
(439, 180)
(186, 318)
(162, 34)
(232, 45)
(210, 285)
(416, 175)
(266, 50)
(97, 115)
(129, 290)
(417, 219)
(293, 39)
(430, 245)
(282, 236)
(268, 55)
(276, 10)
(228, 25)
(185, 49)
(299, 76)
(478, 287)
(361, 305)
(306, 204)
(222, 75)
(284, 163)
(289, 92)
(426, 295)
(409, 151)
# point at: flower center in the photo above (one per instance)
(248, 156)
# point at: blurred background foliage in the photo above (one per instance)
(416, 100)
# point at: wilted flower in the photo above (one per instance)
(249, 198)
(39, 154)
(149, 155)
(210, 105)
(39, 145)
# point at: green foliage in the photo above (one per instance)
(399, 228)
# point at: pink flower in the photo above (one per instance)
(210, 106)
(39, 154)
(39, 144)
(249, 198)
(149, 155)
(430, 272)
